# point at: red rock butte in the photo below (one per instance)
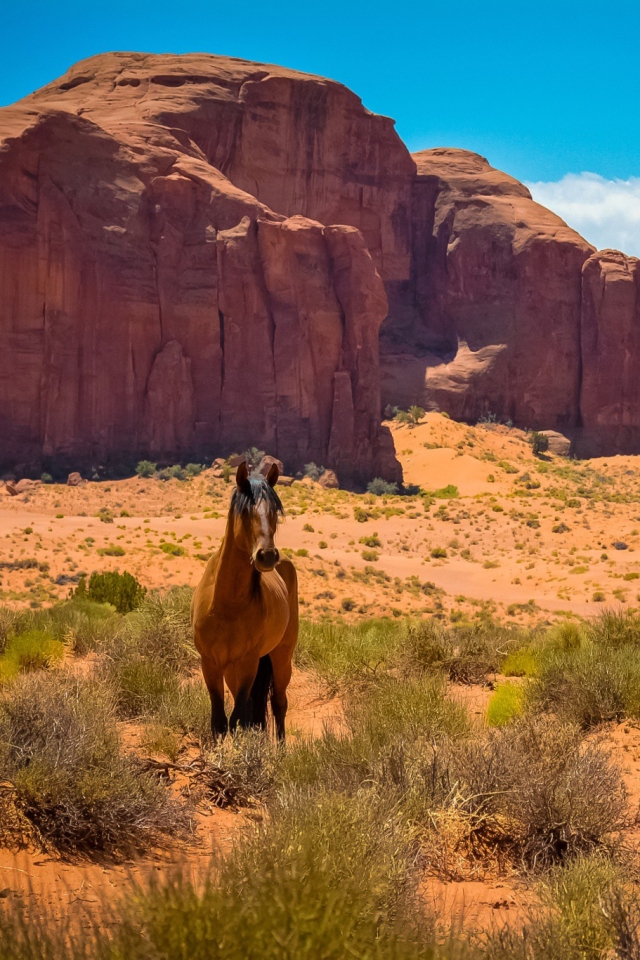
(199, 253)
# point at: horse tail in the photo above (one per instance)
(261, 691)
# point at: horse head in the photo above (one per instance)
(256, 508)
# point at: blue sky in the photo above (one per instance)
(542, 89)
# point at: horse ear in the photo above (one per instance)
(242, 474)
(271, 473)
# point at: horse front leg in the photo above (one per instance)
(214, 679)
(240, 679)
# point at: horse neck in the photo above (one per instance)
(236, 575)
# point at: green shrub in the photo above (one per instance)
(146, 469)
(175, 472)
(143, 685)
(590, 686)
(506, 704)
(340, 652)
(194, 469)
(59, 749)
(32, 650)
(113, 550)
(450, 492)
(121, 590)
(382, 488)
(253, 456)
(173, 549)
(373, 540)
(313, 471)
(539, 443)
(521, 663)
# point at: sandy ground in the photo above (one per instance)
(59, 885)
(522, 538)
(502, 534)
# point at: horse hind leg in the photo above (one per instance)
(214, 680)
(281, 660)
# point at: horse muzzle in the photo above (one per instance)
(266, 559)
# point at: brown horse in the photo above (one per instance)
(245, 611)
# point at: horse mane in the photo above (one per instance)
(251, 493)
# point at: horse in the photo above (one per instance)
(244, 611)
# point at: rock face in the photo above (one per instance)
(200, 254)
(170, 282)
(610, 394)
(496, 284)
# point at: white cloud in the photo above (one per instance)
(605, 212)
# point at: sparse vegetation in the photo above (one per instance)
(146, 469)
(121, 590)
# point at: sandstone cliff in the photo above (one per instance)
(199, 253)
(610, 355)
(497, 299)
(170, 284)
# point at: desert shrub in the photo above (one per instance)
(142, 684)
(583, 910)
(506, 704)
(32, 650)
(612, 629)
(450, 492)
(466, 654)
(539, 443)
(160, 628)
(60, 751)
(339, 651)
(520, 663)
(175, 472)
(187, 711)
(313, 471)
(382, 488)
(113, 550)
(416, 413)
(390, 709)
(148, 661)
(239, 770)
(320, 880)
(121, 590)
(194, 469)
(590, 685)
(253, 456)
(146, 469)
(173, 549)
(533, 790)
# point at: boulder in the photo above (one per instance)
(266, 463)
(284, 481)
(558, 443)
(10, 487)
(74, 479)
(24, 485)
(329, 480)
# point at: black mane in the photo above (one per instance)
(254, 490)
